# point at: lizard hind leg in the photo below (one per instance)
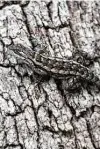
(40, 75)
(72, 84)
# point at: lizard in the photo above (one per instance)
(58, 68)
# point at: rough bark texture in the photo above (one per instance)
(44, 114)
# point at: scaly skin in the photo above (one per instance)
(55, 67)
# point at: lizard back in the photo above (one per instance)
(63, 67)
(56, 67)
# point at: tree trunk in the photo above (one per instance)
(39, 112)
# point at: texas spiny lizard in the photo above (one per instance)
(56, 67)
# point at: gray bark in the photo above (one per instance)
(37, 114)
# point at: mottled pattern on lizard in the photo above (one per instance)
(56, 67)
(83, 58)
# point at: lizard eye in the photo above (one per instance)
(80, 60)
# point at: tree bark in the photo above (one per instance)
(41, 113)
